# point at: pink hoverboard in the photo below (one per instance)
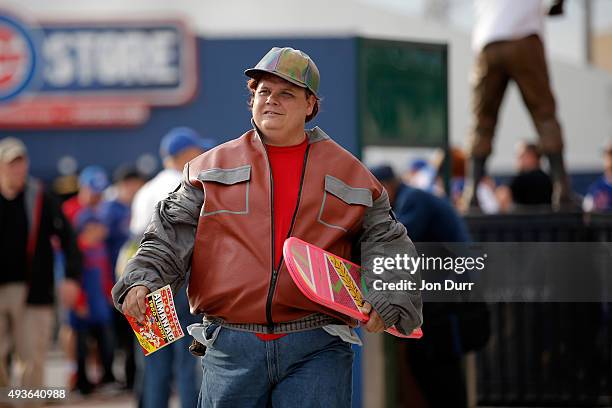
(330, 281)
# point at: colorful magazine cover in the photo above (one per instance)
(161, 324)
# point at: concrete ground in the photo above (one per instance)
(57, 372)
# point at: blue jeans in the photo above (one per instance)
(305, 369)
(173, 362)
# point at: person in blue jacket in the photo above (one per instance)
(435, 360)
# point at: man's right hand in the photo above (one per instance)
(135, 303)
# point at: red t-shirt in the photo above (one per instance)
(71, 208)
(287, 164)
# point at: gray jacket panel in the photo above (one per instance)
(164, 255)
(384, 236)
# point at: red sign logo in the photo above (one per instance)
(16, 58)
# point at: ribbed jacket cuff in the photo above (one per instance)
(385, 310)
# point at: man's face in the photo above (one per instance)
(15, 173)
(527, 160)
(280, 106)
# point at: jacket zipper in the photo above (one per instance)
(276, 270)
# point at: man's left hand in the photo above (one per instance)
(376, 323)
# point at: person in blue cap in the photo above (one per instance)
(421, 174)
(435, 360)
(91, 316)
(177, 147)
(92, 183)
(93, 180)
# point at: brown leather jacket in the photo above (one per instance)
(225, 202)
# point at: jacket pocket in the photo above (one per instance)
(226, 190)
(342, 205)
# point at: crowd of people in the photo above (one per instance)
(529, 189)
(100, 227)
(73, 252)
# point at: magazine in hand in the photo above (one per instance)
(161, 324)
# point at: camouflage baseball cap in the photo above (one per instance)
(292, 65)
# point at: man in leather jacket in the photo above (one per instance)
(223, 228)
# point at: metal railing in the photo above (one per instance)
(546, 354)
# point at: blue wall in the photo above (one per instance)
(219, 109)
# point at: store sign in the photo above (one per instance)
(91, 74)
